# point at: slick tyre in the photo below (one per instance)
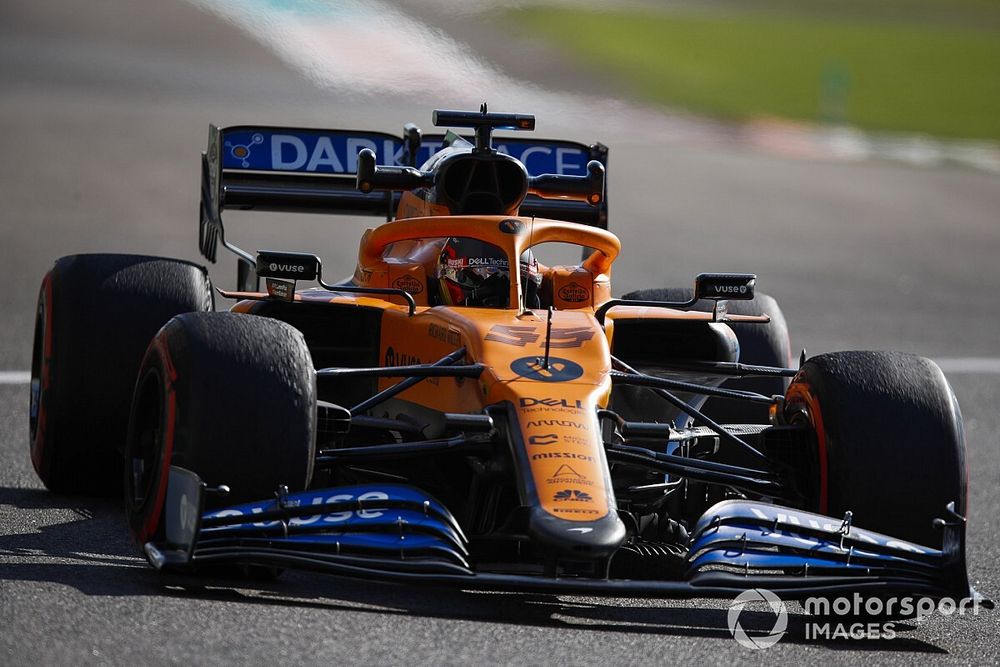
(95, 316)
(889, 437)
(231, 397)
(760, 344)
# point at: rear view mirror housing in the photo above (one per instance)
(716, 286)
(288, 265)
(280, 270)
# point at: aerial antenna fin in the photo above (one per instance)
(548, 339)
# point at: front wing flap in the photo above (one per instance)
(758, 539)
(389, 525)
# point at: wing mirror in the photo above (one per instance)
(281, 270)
(288, 265)
(735, 286)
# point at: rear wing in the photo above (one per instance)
(267, 168)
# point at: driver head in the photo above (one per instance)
(474, 273)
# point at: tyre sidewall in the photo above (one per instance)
(42, 390)
(158, 377)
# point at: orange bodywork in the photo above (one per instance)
(558, 435)
(556, 417)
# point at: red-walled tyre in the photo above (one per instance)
(890, 443)
(231, 397)
(96, 314)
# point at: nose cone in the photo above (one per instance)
(578, 539)
(563, 472)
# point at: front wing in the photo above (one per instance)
(399, 533)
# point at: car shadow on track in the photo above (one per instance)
(650, 617)
(79, 542)
(83, 543)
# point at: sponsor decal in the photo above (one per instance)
(469, 262)
(566, 474)
(566, 423)
(511, 226)
(547, 439)
(563, 455)
(574, 293)
(512, 335)
(574, 495)
(541, 159)
(568, 480)
(288, 268)
(242, 151)
(280, 289)
(444, 334)
(336, 151)
(333, 517)
(566, 510)
(528, 402)
(566, 471)
(409, 284)
(559, 369)
(393, 358)
(336, 154)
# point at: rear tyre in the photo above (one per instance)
(96, 314)
(760, 344)
(889, 439)
(231, 397)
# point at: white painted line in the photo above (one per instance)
(969, 364)
(15, 377)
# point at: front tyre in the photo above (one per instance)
(231, 397)
(889, 438)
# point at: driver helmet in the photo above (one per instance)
(474, 273)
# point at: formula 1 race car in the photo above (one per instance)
(458, 412)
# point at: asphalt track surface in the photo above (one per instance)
(103, 111)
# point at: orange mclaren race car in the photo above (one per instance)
(458, 412)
